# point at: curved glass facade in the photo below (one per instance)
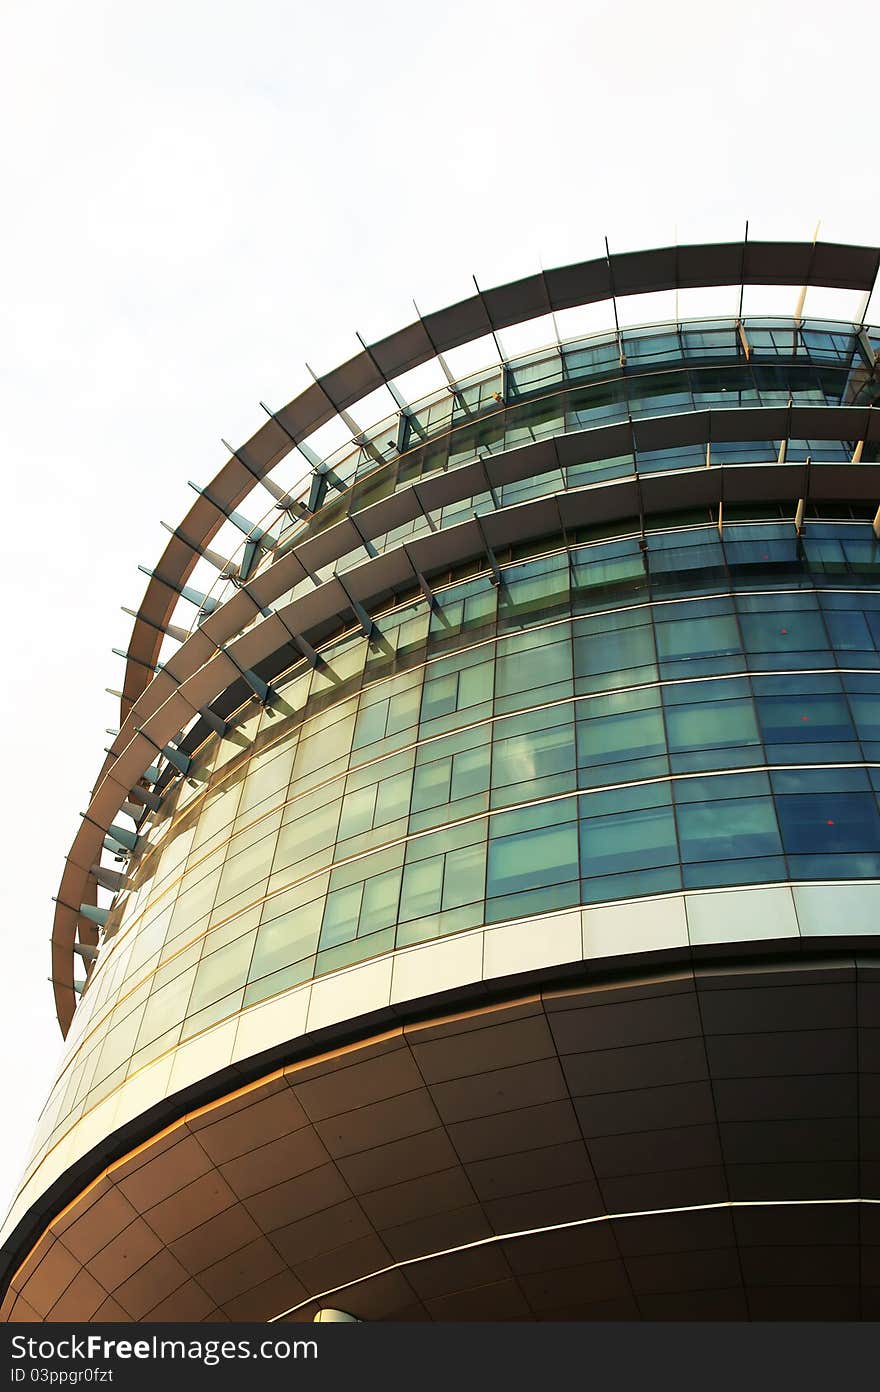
(611, 720)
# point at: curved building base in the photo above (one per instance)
(695, 1141)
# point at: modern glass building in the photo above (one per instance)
(476, 915)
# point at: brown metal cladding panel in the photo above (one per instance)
(288, 616)
(440, 551)
(782, 482)
(160, 688)
(709, 264)
(502, 1090)
(778, 263)
(590, 506)
(328, 545)
(143, 646)
(321, 1232)
(117, 789)
(382, 517)
(665, 493)
(127, 1251)
(194, 653)
(829, 422)
(582, 283)
(298, 1197)
(845, 267)
(85, 1231)
(65, 923)
(188, 1303)
(604, 442)
(265, 448)
(664, 432)
(54, 1273)
(405, 349)
(282, 575)
(749, 423)
(175, 714)
(434, 1231)
(859, 482)
(257, 1115)
(351, 1078)
(397, 1162)
(278, 1293)
(460, 1271)
(635, 272)
(528, 1165)
(155, 1280)
(306, 412)
(519, 300)
(439, 489)
(393, 1118)
(457, 324)
(104, 804)
(516, 464)
(138, 751)
(234, 480)
(353, 380)
(383, 574)
(203, 686)
(260, 641)
(317, 607)
(276, 1162)
(502, 1300)
(79, 859)
(232, 616)
(539, 517)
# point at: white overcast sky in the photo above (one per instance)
(198, 196)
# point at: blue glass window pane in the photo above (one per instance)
(865, 707)
(823, 823)
(470, 772)
(730, 828)
(532, 848)
(596, 570)
(624, 726)
(755, 870)
(845, 865)
(601, 888)
(524, 759)
(712, 724)
(783, 632)
(422, 888)
(379, 904)
(609, 657)
(820, 781)
(689, 638)
(539, 662)
(534, 589)
(807, 717)
(341, 915)
(635, 840)
(722, 785)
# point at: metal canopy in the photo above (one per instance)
(588, 282)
